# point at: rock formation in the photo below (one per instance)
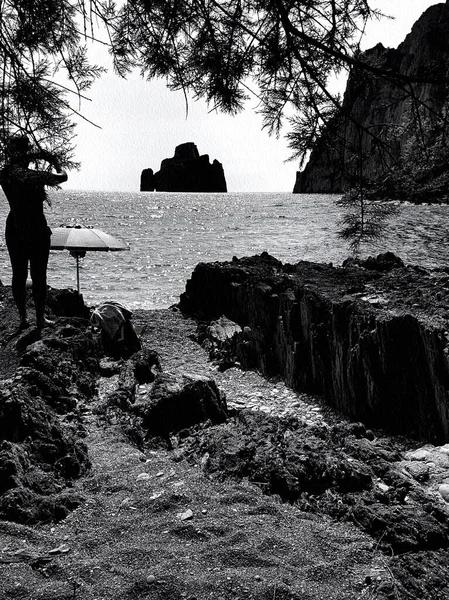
(187, 171)
(177, 402)
(338, 469)
(41, 445)
(147, 180)
(357, 335)
(386, 111)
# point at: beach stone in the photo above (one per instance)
(418, 470)
(383, 486)
(187, 515)
(441, 460)
(420, 454)
(222, 329)
(444, 491)
(220, 339)
(63, 549)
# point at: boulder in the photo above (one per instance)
(186, 171)
(132, 372)
(222, 330)
(220, 339)
(145, 361)
(178, 402)
(66, 303)
(385, 261)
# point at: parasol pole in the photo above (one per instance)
(77, 254)
(78, 272)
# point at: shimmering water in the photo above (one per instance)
(170, 233)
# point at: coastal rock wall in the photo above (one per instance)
(352, 334)
(186, 171)
(376, 121)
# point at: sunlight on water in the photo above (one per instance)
(169, 234)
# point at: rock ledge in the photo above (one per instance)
(374, 342)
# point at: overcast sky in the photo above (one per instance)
(142, 122)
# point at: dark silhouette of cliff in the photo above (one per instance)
(382, 125)
(187, 171)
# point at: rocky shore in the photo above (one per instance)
(198, 468)
(371, 337)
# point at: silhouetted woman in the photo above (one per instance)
(27, 233)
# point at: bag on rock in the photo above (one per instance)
(117, 331)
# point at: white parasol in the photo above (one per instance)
(78, 240)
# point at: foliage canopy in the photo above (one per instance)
(284, 51)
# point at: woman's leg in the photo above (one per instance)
(38, 272)
(19, 263)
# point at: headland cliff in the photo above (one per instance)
(385, 122)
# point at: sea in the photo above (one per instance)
(170, 233)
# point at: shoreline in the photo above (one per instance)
(261, 505)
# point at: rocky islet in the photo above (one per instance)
(186, 171)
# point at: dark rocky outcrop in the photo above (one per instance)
(47, 378)
(172, 403)
(137, 370)
(373, 341)
(187, 171)
(386, 110)
(48, 382)
(66, 303)
(178, 402)
(334, 470)
(41, 446)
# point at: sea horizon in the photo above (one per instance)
(169, 233)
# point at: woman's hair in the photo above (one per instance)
(18, 145)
